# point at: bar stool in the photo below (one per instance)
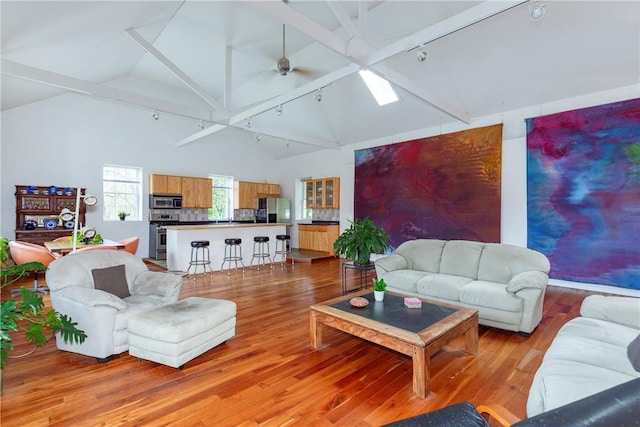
(261, 250)
(199, 256)
(231, 248)
(283, 249)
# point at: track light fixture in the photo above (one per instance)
(318, 95)
(247, 124)
(536, 10)
(279, 110)
(422, 55)
(287, 143)
(258, 137)
(155, 115)
(201, 125)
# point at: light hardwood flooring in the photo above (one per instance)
(268, 374)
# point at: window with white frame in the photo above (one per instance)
(301, 200)
(122, 192)
(222, 197)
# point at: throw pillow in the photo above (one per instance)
(112, 280)
(633, 353)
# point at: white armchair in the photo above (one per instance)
(102, 315)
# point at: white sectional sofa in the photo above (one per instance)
(505, 283)
(588, 355)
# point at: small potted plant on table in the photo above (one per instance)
(123, 215)
(379, 288)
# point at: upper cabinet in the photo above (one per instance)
(196, 192)
(246, 193)
(165, 184)
(322, 193)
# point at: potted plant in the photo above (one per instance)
(123, 215)
(379, 288)
(360, 240)
(27, 315)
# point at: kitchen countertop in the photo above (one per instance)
(209, 226)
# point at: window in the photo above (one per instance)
(222, 197)
(122, 192)
(301, 200)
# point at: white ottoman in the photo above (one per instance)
(178, 332)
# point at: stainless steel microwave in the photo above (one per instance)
(165, 202)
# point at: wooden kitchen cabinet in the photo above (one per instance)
(165, 184)
(319, 238)
(322, 193)
(197, 193)
(246, 193)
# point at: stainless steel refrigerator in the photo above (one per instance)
(273, 210)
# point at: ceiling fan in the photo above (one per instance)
(284, 66)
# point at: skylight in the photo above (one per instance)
(379, 88)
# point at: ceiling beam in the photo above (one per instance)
(173, 68)
(344, 18)
(73, 84)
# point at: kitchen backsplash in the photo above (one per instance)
(192, 215)
(326, 215)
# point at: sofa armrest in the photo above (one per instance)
(621, 310)
(91, 297)
(156, 283)
(527, 279)
(391, 263)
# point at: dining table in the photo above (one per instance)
(64, 247)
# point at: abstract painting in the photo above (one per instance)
(583, 193)
(441, 187)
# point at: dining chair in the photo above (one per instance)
(130, 244)
(24, 252)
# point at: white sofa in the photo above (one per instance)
(102, 315)
(505, 283)
(588, 355)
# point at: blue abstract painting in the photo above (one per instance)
(583, 193)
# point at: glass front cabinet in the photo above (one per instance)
(322, 193)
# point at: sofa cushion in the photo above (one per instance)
(500, 262)
(404, 280)
(111, 279)
(443, 286)
(621, 310)
(633, 353)
(422, 254)
(461, 258)
(480, 293)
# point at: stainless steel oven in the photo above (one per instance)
(158, 235)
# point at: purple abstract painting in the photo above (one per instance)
(583, 194)
(442, 187)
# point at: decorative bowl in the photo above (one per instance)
(359, 302)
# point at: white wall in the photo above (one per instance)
(65, 141)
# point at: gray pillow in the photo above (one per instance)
(633, 353)
(112, 280)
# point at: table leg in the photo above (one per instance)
(471, 340)
(344, 279)
(421, 372)
(315, 330)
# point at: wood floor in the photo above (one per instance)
(268, 374)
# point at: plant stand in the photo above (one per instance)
(363, 271)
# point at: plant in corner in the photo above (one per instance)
(360, 240)
(123, 215)
(27, 315)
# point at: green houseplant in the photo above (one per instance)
(379, 288)
(123, 215)
(27, 314)
(360, 240)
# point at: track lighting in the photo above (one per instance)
(258, 137)
(422, 55)
(279, 110)
(287, 143)
(247, 124)
(155, 115)
(318, 95)
(201, 125)
(536, 10)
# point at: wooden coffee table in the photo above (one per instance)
(418, 333)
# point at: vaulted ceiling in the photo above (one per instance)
(215, 61)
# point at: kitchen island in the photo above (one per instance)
(179, 238)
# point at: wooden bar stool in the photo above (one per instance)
(261, 251)
(232, 253)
